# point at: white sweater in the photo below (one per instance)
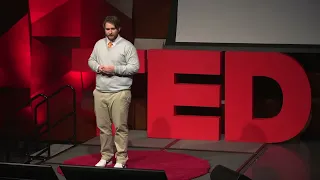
(123, 56)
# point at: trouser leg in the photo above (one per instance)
(102, 112)
(119, 110)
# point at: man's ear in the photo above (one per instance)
(119, 29)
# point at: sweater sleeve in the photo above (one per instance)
(93, 62)
(132, 60)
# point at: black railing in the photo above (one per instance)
(10, 136)
(38, 131)
(65, 116)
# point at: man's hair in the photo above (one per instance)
(112, 20)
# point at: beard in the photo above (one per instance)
(112, 37)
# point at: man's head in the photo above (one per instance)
(111, 26)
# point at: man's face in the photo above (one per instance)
(111, 31)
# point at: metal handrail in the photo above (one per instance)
(27, 104)
(36, 97)
(68, 114)
(47, 122)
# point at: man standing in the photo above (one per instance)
(115, 60)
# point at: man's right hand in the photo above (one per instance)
(100, 69)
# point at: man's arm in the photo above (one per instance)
(132, 65)
(93, 62)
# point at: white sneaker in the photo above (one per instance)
(119, 165)
(103, 163)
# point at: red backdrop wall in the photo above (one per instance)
(37, 53)
(42, 42)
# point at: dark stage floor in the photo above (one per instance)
(290, 161)
(286, 161)
(231, 155)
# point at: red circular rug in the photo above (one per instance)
(177, 166)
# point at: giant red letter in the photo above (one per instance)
(240, 69)
(164, 94)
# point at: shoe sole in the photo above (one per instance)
(107, 164)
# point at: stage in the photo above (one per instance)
(230, 154)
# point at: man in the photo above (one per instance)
(115, 60)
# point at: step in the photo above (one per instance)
(55, 149)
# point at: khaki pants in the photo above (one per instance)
(113, 108)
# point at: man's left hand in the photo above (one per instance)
(108, 69)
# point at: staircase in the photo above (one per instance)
(27, 138)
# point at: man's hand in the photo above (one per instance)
(106, 69)
(100, 68)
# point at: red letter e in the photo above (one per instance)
(164, 94)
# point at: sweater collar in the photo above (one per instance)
(116, 41)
